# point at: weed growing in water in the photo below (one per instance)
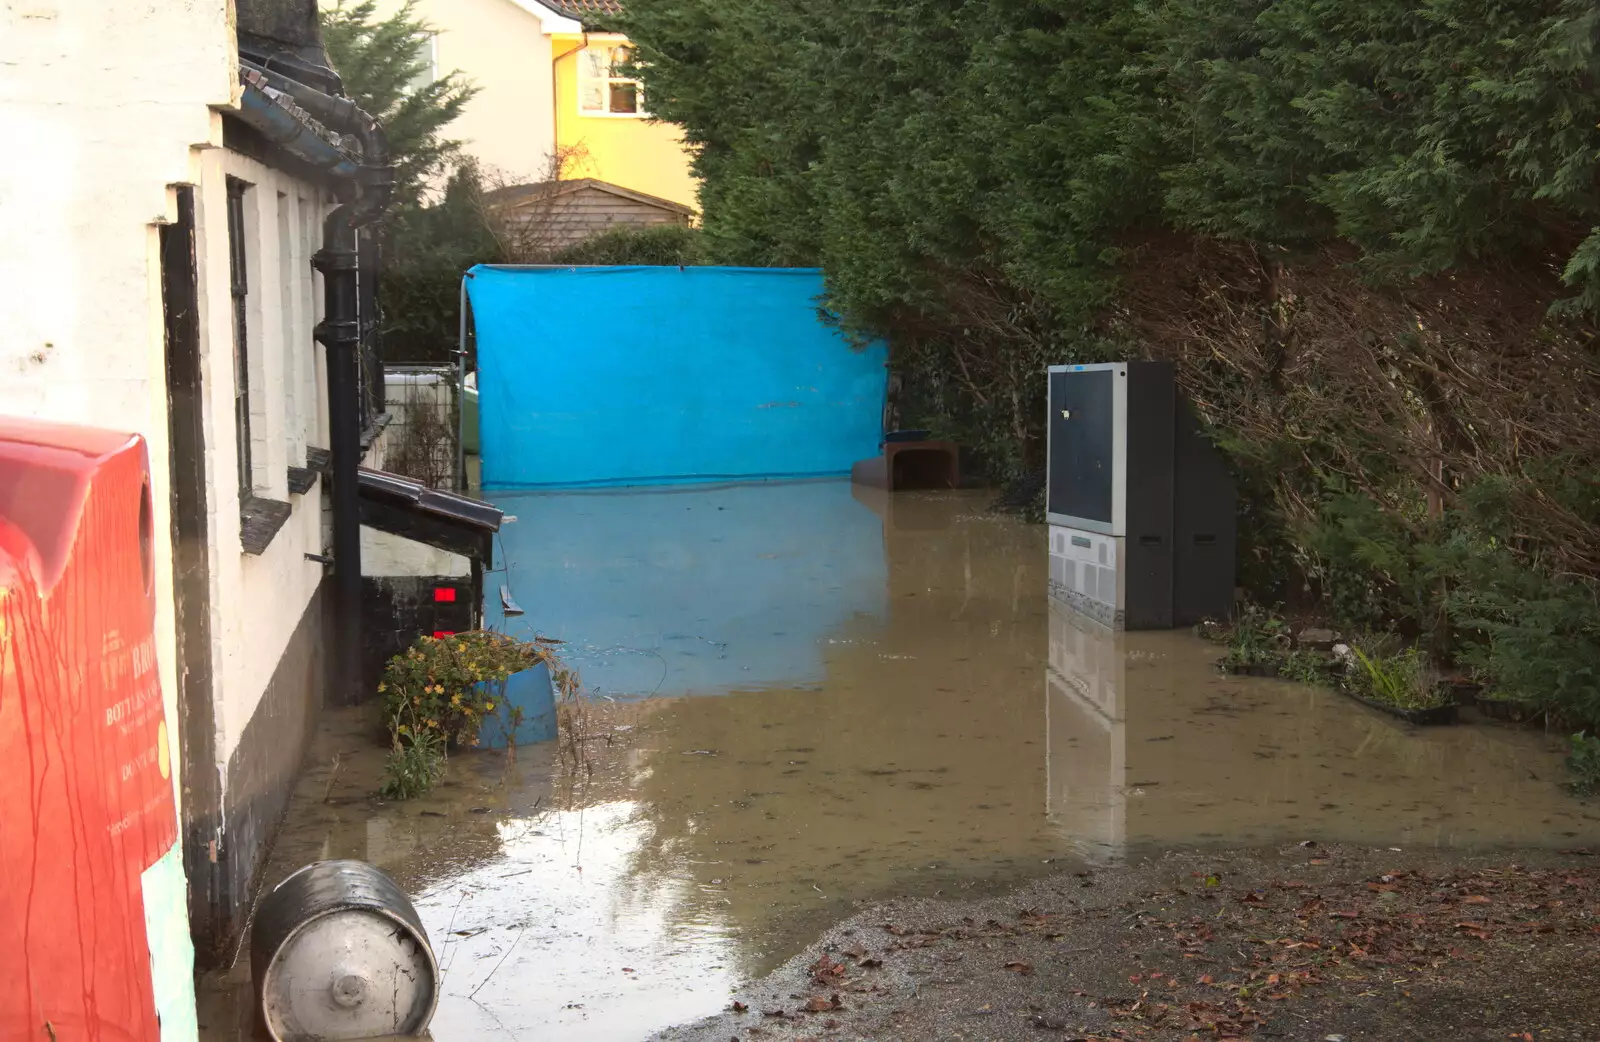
(413, 766)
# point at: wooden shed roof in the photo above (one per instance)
(544, 190)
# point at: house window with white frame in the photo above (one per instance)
(603, 88)
(427, 56)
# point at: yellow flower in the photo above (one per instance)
(455, 700)
(382, 687)
(488, 705)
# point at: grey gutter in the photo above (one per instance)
(275, 114)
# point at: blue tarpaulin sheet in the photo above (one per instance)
(660, 375)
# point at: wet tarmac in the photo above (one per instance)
(809, 697)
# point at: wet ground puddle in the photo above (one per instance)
(811, 696)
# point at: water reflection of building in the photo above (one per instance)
(1086, 734)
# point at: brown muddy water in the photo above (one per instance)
(808, 697)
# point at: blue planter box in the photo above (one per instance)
(531, 692)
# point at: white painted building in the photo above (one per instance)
(156, 277)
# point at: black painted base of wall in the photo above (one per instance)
(224, 852)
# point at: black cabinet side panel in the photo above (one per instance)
(1206, 529)
(1149, 515)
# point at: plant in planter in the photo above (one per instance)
(438, 692)
(1510, 708)
(1402, 684)
(1256, 644)
(1308, 666)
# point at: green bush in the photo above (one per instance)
(1583, 760)
(427, 250)
(1539, 638)
(1366, 560)
(660, 244)
(432, 698)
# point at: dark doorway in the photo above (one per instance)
(191, 578)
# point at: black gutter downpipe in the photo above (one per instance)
(340, 333)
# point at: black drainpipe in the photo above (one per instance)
(340, 333)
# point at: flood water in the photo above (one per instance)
(808, 696)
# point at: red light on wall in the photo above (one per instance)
(440, 634)
(444, 594)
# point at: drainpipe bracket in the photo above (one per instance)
(379, 177)
(328, 260)
(337, 333)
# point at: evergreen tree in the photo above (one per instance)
(384, 62)
(434, 229)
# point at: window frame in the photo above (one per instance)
(430, 44)
(239, 299)
(587, 78)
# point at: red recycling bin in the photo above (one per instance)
(86, 797)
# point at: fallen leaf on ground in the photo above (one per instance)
(826, 971)
(1024, 968)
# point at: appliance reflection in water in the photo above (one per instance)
(1086, 735)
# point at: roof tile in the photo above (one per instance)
(585, 10)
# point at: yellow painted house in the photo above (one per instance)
(548, 86)
(603, 118)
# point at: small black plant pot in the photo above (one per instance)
(1437, 716)
(1253, 669)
